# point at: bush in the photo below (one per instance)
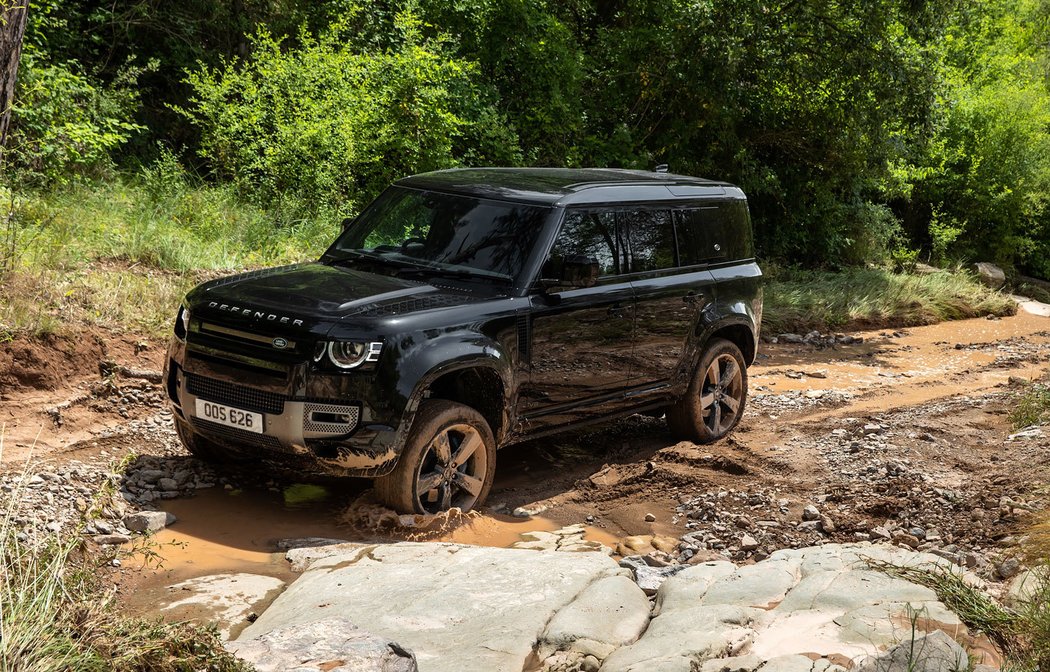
(64, 123)
(324, 126)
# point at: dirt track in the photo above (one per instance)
(902, 438)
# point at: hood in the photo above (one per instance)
(308, 295)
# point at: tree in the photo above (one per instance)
(13, 15)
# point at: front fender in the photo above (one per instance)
(424, 361)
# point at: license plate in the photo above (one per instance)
(229, 416)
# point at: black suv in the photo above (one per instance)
(465, 310)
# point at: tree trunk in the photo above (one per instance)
(12, 28)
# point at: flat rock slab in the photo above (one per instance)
(816, 608)
(462, 608)
(223, 599)
(329, 645)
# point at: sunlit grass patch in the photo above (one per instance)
(798, 300)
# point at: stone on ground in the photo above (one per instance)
(460, 608)
(800, 610)
(223, 599)
(328, 645)
(935, 652)
(990, 274)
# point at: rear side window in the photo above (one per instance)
(651, 237)
(715, 233)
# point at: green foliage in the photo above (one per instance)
(67, 124)
(1031, 406)
(324, 126)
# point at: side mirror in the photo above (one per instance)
(579, 271)
(347, 221)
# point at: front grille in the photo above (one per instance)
(239, 396)
(238, 435)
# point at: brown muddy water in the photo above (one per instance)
(238, 531)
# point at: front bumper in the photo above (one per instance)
(324, 436)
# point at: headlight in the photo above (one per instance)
(182, 323)
(348, 354)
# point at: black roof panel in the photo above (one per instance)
(554, 186)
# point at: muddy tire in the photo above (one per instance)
(715, 400)
(448, 462)
(200, 447)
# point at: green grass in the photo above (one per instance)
(798, 301)
(56, 615)
(1031, 406)
(120, 254)
(1020, 632)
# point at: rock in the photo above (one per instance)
(748, 543)
(649, 578)
(479, 609)
(935, 652)
(307, 542)
(301, 557)
(328, 645)
(111, 539)
(227, 598)
(905, 539)
(810, 513)
(827, 524)
(872, 429)
(103, 527)
(608, 614)
(529, 511)
(1008, 568)
(168, 484)
(1027, 585)
(990, 274)
(789, 338)
(785, 612)
(650, 518)
(147, 521)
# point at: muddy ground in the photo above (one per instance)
(901, 438)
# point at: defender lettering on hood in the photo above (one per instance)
(259, 315)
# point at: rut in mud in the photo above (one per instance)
(902, 438)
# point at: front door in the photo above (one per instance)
(581, 338)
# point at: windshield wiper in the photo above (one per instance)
(358, 255)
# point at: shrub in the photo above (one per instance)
(323, 126)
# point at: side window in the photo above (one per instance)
(714, 233)
(594, 235)
(651, 237)
(699, 239)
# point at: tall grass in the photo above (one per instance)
(1020, 632)
(1031, 406)
(800, 300)
(55, 615)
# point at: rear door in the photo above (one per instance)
(671, 288)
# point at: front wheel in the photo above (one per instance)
(448, 462)
(714, 402)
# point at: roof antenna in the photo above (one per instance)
(660, 168)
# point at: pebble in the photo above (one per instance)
(650, 518)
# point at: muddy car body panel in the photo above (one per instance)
(494, 320)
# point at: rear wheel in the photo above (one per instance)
(448, 462)
(714, 402)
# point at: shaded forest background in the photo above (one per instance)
(862, 130)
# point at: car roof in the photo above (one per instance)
(568, 186)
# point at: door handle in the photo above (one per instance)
(693, 298)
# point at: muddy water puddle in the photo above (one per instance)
(238, 531)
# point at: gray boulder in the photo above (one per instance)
(148, 521)
(990, 274)
(329, 645)
(935, 652)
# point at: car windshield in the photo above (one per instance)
(423, 231)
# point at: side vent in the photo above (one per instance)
(524, 339)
